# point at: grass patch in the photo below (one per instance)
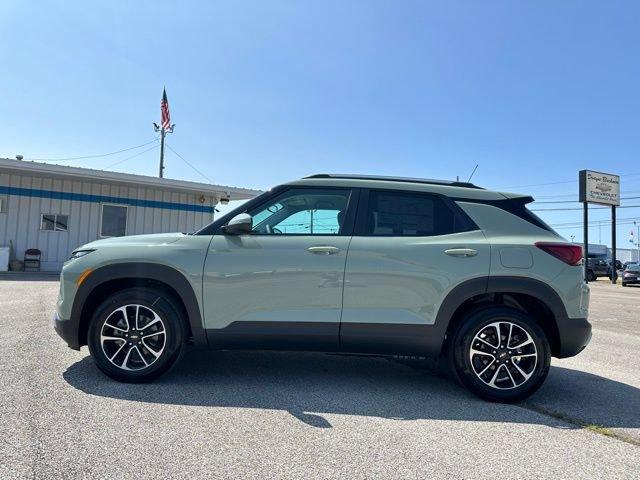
(599, 429)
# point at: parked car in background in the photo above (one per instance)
(341, 263)
(631, 275)
(598, 267)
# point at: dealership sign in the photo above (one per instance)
(597, 187)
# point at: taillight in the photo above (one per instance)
(567, 252)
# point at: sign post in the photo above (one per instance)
(602, 189)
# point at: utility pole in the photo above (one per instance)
(163, 133)
(161, 172)
(637, 225)
(600, 232)
(311, 211)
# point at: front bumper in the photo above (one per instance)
(630, 280)
(68, 331)
(575, 334)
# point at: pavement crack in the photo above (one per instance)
(599, 429)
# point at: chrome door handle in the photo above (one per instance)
(461, 252)
(323, 250)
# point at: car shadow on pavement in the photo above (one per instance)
(309, 386)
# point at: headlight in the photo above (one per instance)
(80, 253)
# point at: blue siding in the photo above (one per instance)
(83, 197)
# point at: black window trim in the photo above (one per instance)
(215, 228)
(363, 206)
(515, 206)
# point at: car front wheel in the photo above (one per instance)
(501, 354)
(136, 335)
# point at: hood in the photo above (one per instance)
(151, 239)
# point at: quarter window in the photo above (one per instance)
(409, 214)
(54, 222)
(113, 221)
(302, 211)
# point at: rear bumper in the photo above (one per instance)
(68, 331)
(575, 334)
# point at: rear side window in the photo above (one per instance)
(518, 207)
(410, 214)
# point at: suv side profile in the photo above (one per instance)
(341, 263)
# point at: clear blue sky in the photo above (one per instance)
(266, 91)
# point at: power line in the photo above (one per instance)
(578, 208)
(577, 201)
(185, 161)
(574, 195)
(129, 158)
(567, 227)
(557, 183)
(593, 222)
(90, 156)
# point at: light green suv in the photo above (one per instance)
(341, 263)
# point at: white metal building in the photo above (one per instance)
(57, 208)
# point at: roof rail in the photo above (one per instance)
(449, 183)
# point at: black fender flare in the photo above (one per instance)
(498, 284)
(143, 271)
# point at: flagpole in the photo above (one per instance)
(162, 134)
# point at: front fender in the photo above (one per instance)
(140, 271)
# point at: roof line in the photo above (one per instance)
(449, 183)
(234, 193)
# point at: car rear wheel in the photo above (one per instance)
(136, 335)
(591, 277)
(500, 354)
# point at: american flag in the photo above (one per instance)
(164, 110)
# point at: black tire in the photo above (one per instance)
(165, 307)
(624, 284)
(463, 369)
(591, 277)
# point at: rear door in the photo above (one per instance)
(408, 251)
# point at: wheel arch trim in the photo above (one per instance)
(142, 271)
(498, 284)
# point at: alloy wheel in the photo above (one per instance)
(133, 337)
(503, 355)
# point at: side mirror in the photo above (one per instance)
(241, 224)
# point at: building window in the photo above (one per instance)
(113, 220)
(53, 222)
(3, 204)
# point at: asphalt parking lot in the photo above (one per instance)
(282, 415)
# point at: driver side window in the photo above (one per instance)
(302, 211)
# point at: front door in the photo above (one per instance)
(281, 286)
